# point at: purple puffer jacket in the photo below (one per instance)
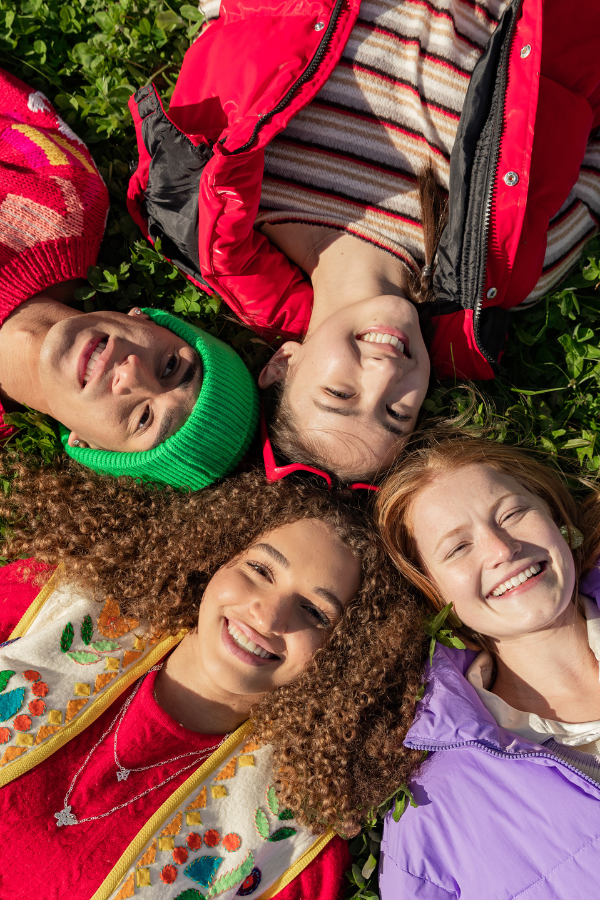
(499, 817)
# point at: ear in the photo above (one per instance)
(76, 441)
(138, 314)
(278, 366)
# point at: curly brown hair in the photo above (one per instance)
(337, 732)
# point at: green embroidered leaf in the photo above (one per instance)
(66, 638)
(83, 657)
(5, 677)
(190, 894)
(230, 879)
(272, 801)
(262, 824)
(282, 834)
(105, 646)
(87, 629)
(285, 814)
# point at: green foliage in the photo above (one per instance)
(66, 638)
(433, 626)
(87, 629)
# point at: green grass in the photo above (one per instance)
(88, 58)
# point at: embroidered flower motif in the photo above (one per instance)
(40, 689)
(4, 735)
(31, 675)
(168, 874)
(249, 884)
(232, 842)
(180, 855)
(212, 837)
(194, 840)
(22, 723)
(37, 707)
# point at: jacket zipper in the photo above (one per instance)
(306, 76)
(490, 193)
(500, 754)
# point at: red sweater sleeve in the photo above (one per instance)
(324, 878)
(17, 592)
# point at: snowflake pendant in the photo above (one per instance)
(65, 817)
(123, 774)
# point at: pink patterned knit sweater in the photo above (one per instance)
(53, 202)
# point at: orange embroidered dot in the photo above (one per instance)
(5, 736)
(212, 837)
(31, 675)
(168, 874)
(37, 707)
(180, 855)
(22, 723)
(232, 842)
(193, 840)
(40, 688)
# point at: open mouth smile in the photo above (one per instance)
(517, 580)
(91, 355)
(390, 336)
(246, 649)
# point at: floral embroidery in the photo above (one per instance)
(81, 689)
(249, 885)
(247, 760)
(272, 801)
(45, 731)
(227, 772)
(142, 877)
(4, 735)
(40, 688)
(174, 827)
(11, 753)
(193, 840)
(5, 678)
(212, 837)
(232, 842)
(130, 656)
(73, 707)
(11, 703)
(87, 629)
(128, 889)
(105, 646)
(111, 624)
(180, 855)
(251, 745)
(203, 870)
(199, 802)
(218, 790)
(149, 856)
(83, 657)
(37, 707)
(262, 824)
(102, 681)
(22, 723)
(168, 874)
(31, 675)
(230, 879)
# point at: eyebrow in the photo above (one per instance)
(459, 528)
(387, 426)
(275, 554)
(168, 419)
(330, 597)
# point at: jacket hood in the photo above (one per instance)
(451, 713)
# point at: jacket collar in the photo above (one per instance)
(451, 714)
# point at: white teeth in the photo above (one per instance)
(516, 580)
(377, 337)
(247, 644)
(92, 360)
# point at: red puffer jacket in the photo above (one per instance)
(518, 150)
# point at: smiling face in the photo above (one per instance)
(357, 383)
(118, 382)
(263, 616)
(492, 549)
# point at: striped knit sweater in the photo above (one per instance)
(350, 159)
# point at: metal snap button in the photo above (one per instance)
(491, 293)
(511, 178)
(525, 51)
(319, 26)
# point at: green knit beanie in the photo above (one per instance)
(214, 438)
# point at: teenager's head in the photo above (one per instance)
(477, 524)
(288, 567)
(148, 395)
(351, 392)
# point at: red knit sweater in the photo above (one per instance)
(41, 860)
(53, 202)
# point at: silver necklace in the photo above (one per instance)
(66, 817)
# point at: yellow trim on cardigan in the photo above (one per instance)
(31, 613)
(300, 864)
(62, 737)
(114, 877)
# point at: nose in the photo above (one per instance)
(130, 374)
(271, 613)
(500, 546)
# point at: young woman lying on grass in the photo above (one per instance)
(296, 196)
(206, 686)
(507, 798)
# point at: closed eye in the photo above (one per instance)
(263, 570)
(457, 549)
(343, 395)
(397, 415)
(317, 616)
